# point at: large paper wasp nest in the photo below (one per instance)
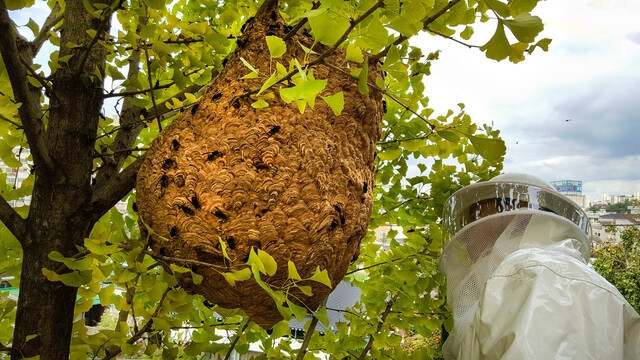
(297, 186)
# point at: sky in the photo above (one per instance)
(572, 113)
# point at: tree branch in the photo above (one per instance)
(49, 23)
(235, 340)
(29, 111)
(307, 338)
(142, 330)
(106, 195)
(10, 218)
(383, 318)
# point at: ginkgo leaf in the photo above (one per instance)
(525, 27)
(335, 102)
(277, 47)
(498, 47)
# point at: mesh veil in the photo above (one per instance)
(473, 254)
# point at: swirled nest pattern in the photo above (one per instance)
(297, 186)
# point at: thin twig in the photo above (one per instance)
(2, 117)
(143, 330)
(453, 39)
(385, 262)
(137, 92)
(49, 23)
(425, 25)
(37, 76)
(308, 334)
(383, 318)
(236, 339)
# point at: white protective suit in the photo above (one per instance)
(520, 287)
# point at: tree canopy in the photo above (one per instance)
(620, 264)
(86, 88)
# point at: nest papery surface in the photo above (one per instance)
(297, 186)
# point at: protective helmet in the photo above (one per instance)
(508, 192)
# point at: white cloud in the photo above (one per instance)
(590, 75)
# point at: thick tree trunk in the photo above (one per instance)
(61, 213)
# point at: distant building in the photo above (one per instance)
(571, 189)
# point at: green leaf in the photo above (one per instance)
(518, 7)
(449, 135)
(525, 27)
(543, 44)
(223, 247)
(390, 154)
(498, 47)
(269, 83)
(490, 149)
(306, 290)
(322, 316)
(18, 4)
(467, 33)
(277, 46)
(499, 7)
(240, 275)
(327, 27)
(259, 104)
(33, 26)
(255, 262)
(335, 102)
(321, 277)
(354, 54)
(270, 265)
(307, 91)
(298, 311)
(293, 272)
(155, 4)
(253, 74)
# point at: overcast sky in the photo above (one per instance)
(590, 76)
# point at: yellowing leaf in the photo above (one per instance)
(306, 290)
(270, 265)
(259, 104)
(322, 277)
(293, 272)
(277, 47)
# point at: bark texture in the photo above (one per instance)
(61, 213)
(298, 186)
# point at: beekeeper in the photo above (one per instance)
(516, 260)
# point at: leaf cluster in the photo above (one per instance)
(620, 265)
